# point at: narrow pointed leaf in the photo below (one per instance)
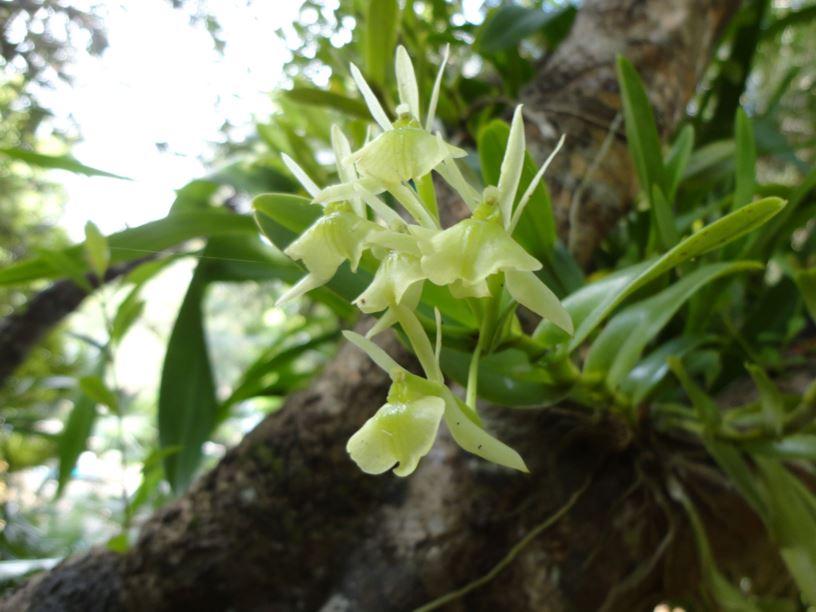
(713, 236)
(620, 345)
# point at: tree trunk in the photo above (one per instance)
(286, 522)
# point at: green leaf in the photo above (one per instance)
(536, 228)
(728, 597)
(55, 162)
(284, 216)
(761, 244)
(129, 244)
(678, 159)
(508, 25)
(792, 523)
(708, 157)
(118, 543)
(58, 264)
(255, 379)
(95, 389)
(187, 404)
(582, 302)
(97, 252)
(641, 130)
(664, 222)
(806, 281)
(792, 18)
(745, 160)
(737, 470)
(713, 236)
(770, 398)
(73, 439)
(380, 37)
(707, 410)
(619, 346)
(651, 370)
(796, 446)
(506, 378)
(128, 312)
(328, 99)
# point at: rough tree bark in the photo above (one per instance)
(286, 521)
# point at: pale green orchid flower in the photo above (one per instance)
(398, 281)
(404, 151)
(401, 432)
(404, 429)
(337, 236)
(465, 255)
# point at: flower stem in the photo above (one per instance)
(419, 342)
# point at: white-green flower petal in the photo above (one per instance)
(528, 290)
(387, 319)
(449, 171)
(371, 101)
(411, 202)
(308, 184)
(345, 167)
(406, 82)
(375, 353)
(511, 167)
(395, 241)
(403, 154)
(472, 250)
(396, 275)
(304, 285)
(399, 433)
(329, 241)
(532, 187)
(476, 440)
(462, 290)
(435, 94)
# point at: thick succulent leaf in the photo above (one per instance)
(745, 160)
(652, 369)
(641, 130)
(620, 345)
(713, 236)
(506, 378)
(792, 522)
(806, 281)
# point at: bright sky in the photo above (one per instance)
(161, 81)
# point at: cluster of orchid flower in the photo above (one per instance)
(476, 259)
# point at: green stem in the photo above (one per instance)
(419, 342)
(120, 426)
(473, 375)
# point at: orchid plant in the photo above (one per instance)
(476, 260)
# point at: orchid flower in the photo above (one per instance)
(404, 429)
(466, 254)
(403, 152)
(340, 234)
